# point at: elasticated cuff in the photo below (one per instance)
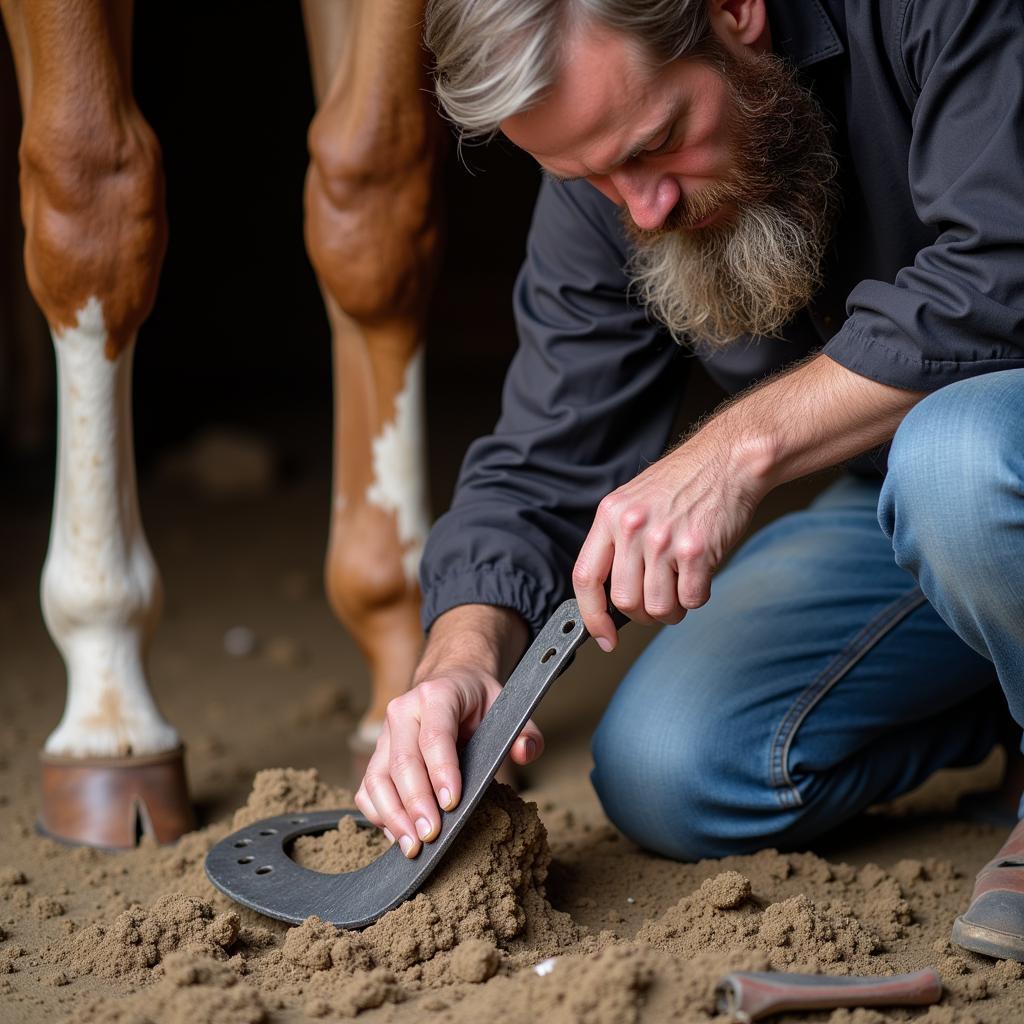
(504, 588)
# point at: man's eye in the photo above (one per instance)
(665, 145)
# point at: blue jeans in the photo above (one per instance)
(848, 650)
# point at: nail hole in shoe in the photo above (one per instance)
(243, 842)
(548, 655)
(265, 870)
(268, 831)
(246, 860)
(297, 821)
(568, 627)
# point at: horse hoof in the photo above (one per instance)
(111, 802)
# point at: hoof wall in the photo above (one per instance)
(111, 802)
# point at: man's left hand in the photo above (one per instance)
(661, 537)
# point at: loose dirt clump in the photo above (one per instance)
(724, 915)
(139, 939)
(491, 886)
(346, 848)
(288, 790)
(191, 990)
(484, 906)
(475, 960)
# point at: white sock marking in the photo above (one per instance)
(399, 468)
(101, 590)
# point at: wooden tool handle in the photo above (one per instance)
(753, 995)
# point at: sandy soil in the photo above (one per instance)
(142, 936)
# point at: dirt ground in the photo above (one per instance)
(142, 936)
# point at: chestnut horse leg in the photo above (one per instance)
(92, 204)
(372, 234)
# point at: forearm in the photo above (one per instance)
(482, 636)
(661, 537)
(817, 415)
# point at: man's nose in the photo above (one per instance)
(649, 196)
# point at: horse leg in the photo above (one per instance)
(372, 232)
(92, 205)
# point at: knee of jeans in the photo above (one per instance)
(668, 787)
(953, 450)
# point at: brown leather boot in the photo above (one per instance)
(994, 922)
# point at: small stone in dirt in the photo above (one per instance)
(545, 966)
(475, 960)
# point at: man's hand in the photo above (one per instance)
(415, 766)
(661, 537)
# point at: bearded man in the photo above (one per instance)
(824, 203)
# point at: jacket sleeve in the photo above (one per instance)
(588, 402)
(958, 311)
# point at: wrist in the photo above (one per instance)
(481, 637)
(746, 455)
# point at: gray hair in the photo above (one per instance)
(495, 58)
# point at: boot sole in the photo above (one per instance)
(988, 941)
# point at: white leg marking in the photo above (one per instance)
(399, 468)
(100, 589)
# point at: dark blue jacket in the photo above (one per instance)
(924, 286)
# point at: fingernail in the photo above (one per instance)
(605, 644)
(445, 796)
(422, 828)
(387, 832)
(530, 748)
(406, 844)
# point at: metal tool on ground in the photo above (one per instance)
(754, 995)
(253, 867)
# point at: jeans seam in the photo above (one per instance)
(886, 620)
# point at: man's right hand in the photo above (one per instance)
(415, 766)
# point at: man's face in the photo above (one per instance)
(720, 163)
(645, 138)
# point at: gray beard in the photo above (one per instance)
(716, 284)
(752, 273)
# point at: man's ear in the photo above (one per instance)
(740, 25)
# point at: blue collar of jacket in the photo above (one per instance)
(802, 32)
